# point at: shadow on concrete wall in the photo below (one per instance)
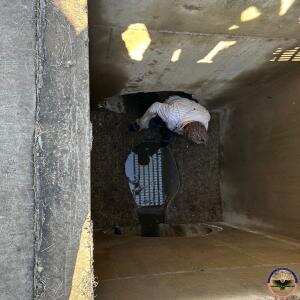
(107, 78)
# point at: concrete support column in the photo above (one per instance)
(17, 114)
(62, 153)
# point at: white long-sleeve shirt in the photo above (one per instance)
(176, 112)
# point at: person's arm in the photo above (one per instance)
(151, 112)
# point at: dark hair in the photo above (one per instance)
(196, 132)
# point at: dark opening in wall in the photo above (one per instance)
(198, 199)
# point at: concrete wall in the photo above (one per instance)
(17, 113)
(44, 151)
(62, 149)
(261, 171)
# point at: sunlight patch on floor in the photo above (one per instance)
(176, 55)
(250, 14)
(137, 40)
(285, 6)
(208, 59)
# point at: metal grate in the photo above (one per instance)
(281, 55)
(149, 188)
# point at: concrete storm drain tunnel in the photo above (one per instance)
(150, 149)
(174, 208)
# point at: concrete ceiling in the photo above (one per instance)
(195, 27)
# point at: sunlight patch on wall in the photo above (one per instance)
(208, 59)
(286, 55)
(176, 55)
(234, 27)
(75, 11)
(137, 40)
(250, 14)
(285, 6)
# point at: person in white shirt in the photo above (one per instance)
(172, 115)
(180, 115)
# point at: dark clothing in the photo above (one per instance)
(167, 136)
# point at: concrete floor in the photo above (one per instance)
(232, 264)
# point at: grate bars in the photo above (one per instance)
(150, 181)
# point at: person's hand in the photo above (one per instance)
(133, 127)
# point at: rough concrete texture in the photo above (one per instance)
(62, 146)
(111, 197)
(199, 197)
(17, 113)
(260, 182)
(196, 27)
(231, 264)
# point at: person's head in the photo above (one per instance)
(195, 132)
